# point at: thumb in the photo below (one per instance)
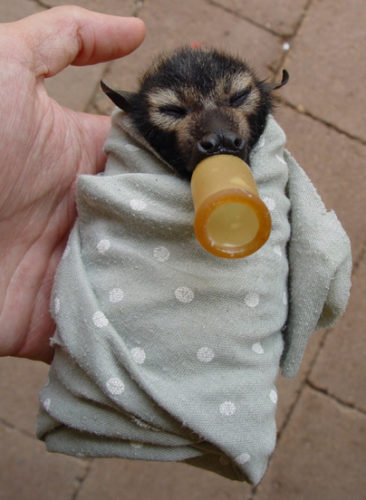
(72, 35)
(93, 131)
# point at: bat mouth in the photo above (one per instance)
(199, 155)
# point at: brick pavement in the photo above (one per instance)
(321, 452)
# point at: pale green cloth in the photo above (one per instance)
(165, 352)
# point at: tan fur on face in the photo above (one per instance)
(195, 104)
(239, 82)
(252, 102)
(184, 138)
(158, 99)
(241, 119)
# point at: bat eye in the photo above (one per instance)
(173, 110)
(239, 98)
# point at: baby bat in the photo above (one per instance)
(196, 103)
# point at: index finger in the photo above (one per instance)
(72, 35)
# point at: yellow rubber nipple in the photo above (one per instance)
(231, 220)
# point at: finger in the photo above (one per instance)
(94, 130)
(73, 35)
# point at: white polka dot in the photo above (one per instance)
(205, 354)
(99, 319)
(284, 298)
(131, 147)
(242, 459)
(286, 46)
(47, 404)
(277, 250)
(138, 355)
(184, 294)
(227, 408)
(269, 202)
(281, 159)
(103, 246)
(57, 305)
(137, 205)
(257, 348)
(161, 254)
(115, 386)
(116, 295)
(251, 299)
(273, 396)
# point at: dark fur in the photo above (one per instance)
(198, 102)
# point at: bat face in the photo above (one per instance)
(197, 103)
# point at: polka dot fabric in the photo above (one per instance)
(163, 351)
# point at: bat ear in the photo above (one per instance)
(120, 98)
(285, 79)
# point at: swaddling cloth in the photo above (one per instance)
(166, 352)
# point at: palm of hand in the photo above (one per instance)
(38, 208)
(44, 148)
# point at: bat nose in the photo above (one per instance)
(209, 144)
(233, 141)
(220, 142)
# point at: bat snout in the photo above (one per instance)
(221, 142)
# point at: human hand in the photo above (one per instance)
(44, 147)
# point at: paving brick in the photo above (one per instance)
(281, 17)
(115, 7)
(288, 388)
(135, 480)
(75, 86)
(27, 472)
(17, 9)
(20, 381)
(341, 368)
(326, 66)
(188, 22)
(321, 454)
(335, 164)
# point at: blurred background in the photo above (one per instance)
(321, 449)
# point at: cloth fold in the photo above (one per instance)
(166, 352)
(320, 262)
